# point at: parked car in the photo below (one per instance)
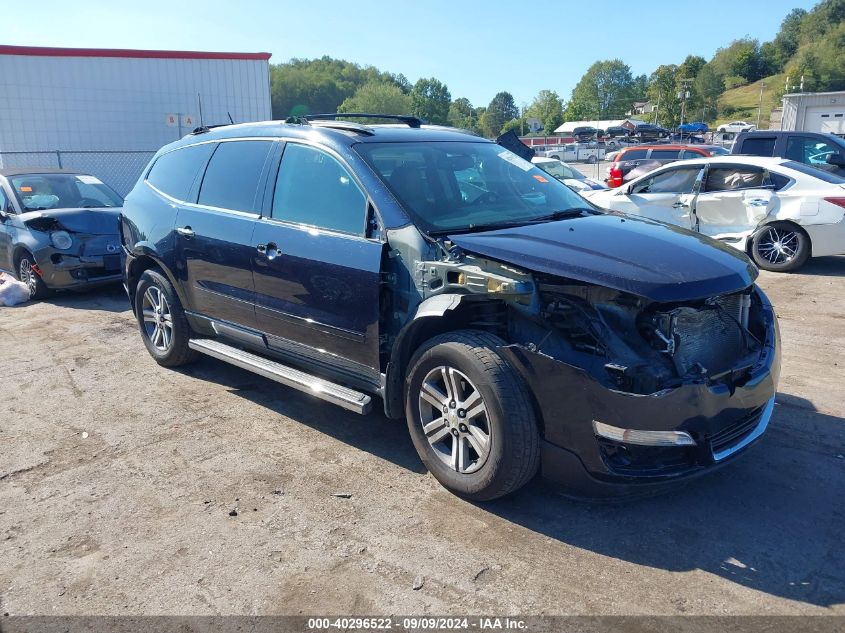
(584, 133)
(569, 176)
(632, 162)
(576, 153)
(616, 131)
(510, 322)
(781, 212)
(736, 127)
(823, 151)
(695, 127)
(58, 229)
(647, 131)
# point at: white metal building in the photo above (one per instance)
(814, 112)
(106, 111)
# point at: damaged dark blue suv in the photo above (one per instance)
(513, 325)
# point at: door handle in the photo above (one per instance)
(269, 250)
(680, 205)
(758, 202)
(185, 231)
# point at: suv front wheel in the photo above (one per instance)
(162, 321)
(471, 417)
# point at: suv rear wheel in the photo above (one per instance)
(470, 416)
(162, 321)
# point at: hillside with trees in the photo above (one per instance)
(809, 44)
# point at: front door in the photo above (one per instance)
(6, 215)
(666, 196)
(214, 235)
(733, 200)
(316, 270)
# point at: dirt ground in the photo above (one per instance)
(118, 480)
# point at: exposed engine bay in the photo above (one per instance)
(624, 341)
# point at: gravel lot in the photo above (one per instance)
(118, 480)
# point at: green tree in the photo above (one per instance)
(780, 50)
(501, 110)
(691, 66)
(547, 108)
(378, 96)
(709, 86)
(662, 91)
(462, 115)
(430, 100)
(605, 91)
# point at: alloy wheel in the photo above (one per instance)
(158, 320)
(454, 419)
(28, 276)
(778, 246)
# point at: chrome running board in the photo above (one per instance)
(317, 387)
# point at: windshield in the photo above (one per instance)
(453, 186)
(63, 191)
(559, 170)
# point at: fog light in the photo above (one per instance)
(643, 438)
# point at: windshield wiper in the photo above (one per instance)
(562, 214)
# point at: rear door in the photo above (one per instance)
(316, 267)
(214, 233)
(733, 199)
(666, 196)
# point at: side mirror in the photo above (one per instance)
(836, 159)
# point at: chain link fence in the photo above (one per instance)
(118, 169)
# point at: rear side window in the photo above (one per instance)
(313, 188)
(175, 172)
(733, 178)
(665, 153)
(679, 180)
(233, 174)
(633, 154)
(757, 146)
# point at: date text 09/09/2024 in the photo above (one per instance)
(418, 624)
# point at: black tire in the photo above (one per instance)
(789, 235)
(513, 447)
(168, 351)
(25, 268)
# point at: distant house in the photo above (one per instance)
(643, 107)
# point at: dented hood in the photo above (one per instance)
(646, 258)
(90, 221)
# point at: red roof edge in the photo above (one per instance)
(47, 51)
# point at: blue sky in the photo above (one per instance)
(477, 47)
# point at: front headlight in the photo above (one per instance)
(61, 240)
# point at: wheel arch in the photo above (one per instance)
(141, 263)
(749, 243)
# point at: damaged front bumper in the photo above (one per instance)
(96, 262)
(584, 444)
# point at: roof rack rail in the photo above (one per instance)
(410, 121)
(205, 128)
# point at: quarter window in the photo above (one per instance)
(665, 153)
(233, 175)
(174, 173)
(313, 188)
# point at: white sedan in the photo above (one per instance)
(737, 127)
(780, 212)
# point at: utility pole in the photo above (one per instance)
(683, 95)
(760, 104)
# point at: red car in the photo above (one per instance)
(636, 160)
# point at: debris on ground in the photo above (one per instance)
(342, 495)
(12, 291)
(418, 583)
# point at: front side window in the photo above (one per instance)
(734, 178)
(464, 185)
(4, 202)
(233, 174)
(174, 173)
(313, 188)
(811, 151)
(63, 191)
(634, 154)
(672, 181)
